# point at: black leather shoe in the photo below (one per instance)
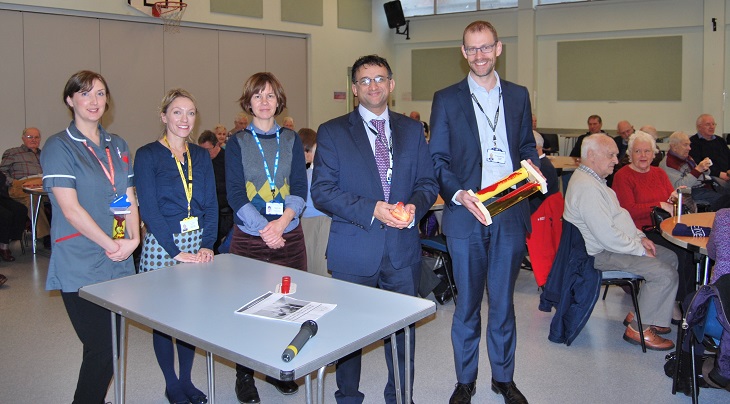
(463, 393)
(47, 242)
(509, 391)
(443, 297)
(246, 391)
(285, 388)
(198, 399)
(178, 398)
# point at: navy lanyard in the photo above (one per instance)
(263, 156)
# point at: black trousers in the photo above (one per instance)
(12, 219)
(92, 324)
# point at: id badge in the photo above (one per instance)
(389, 175)
(189, 224)
(495, 155)
(120, 205)
(119, 227)
(274, 208)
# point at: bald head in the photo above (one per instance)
(624, 129)
(680, 144)
(32, 138)
(706, 126)
(415, 115)
(650, 130)
(599, 153)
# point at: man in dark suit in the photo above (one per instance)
(480, 131)
(595, 123)
(366, 162)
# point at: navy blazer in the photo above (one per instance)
(457, 154)
(346, 185)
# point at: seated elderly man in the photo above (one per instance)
(616, 244)
(706, 144)
(684, 171)
(22, 166)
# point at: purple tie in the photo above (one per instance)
(382, 157)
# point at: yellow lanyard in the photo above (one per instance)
(187, 185)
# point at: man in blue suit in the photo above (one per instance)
(366, 162)
(481, 128)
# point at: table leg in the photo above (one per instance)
(396, 370)
(706, 278)
(210, 361)
(34, 217)
(320, 384)
(122, 355)
(308, 388)
(118, 398)
(407, 382)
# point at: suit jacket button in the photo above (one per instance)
(382, 226)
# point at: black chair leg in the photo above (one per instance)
(678, 352)
(634, 286)
(449, 272)
(605, 292)
(695, 387)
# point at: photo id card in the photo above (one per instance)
(119, 227)
(189, 224)
(495, 155)
(274, 208)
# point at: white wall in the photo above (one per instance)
(704, 77)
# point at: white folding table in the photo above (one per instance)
(196, 303)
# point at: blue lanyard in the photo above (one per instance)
(271, 178)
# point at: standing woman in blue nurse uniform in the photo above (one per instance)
(179, 206)
(88, 174)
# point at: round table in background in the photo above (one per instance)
(36, 194)
(693, 244)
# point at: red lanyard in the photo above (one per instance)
(109, 176)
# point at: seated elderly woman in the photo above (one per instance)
(639, 187)
(684, 171)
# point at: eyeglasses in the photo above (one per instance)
(31, 137)
(486, 49)
(365, 81)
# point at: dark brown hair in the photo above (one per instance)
(84, 81)
(256, 84)
(208, 136)
(309, 138)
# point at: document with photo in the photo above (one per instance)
(283, 307)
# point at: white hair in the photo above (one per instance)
(640, 136)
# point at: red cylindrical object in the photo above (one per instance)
(285, 284)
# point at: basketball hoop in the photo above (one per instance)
(170, 12)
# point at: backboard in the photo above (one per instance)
(143, 6)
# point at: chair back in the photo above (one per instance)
(551, 140)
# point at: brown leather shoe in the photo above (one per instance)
(6, 255)
(653, 341)
(657, 329)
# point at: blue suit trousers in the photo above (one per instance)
(490, 257)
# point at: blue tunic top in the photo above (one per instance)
(77, 261)
(162, 201)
